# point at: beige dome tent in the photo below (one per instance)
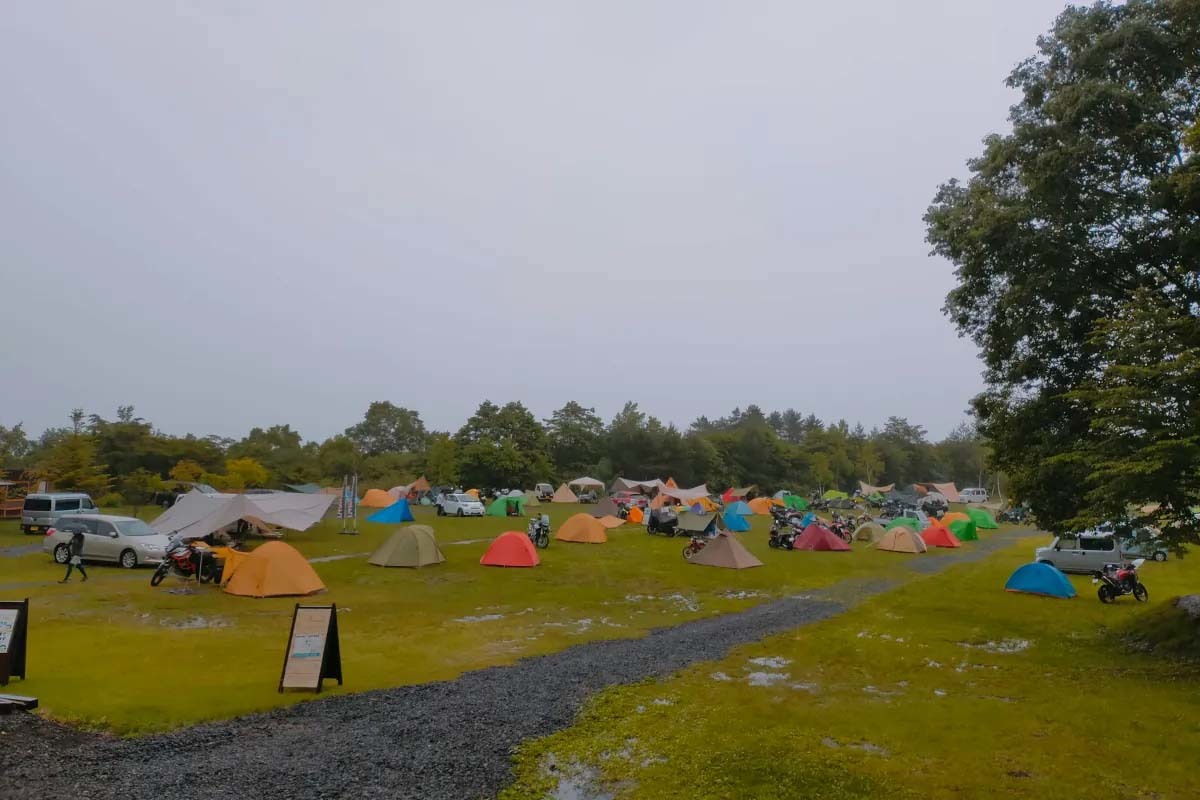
(531, 498)
(869, 532)
(605, 508)
(902, 540)
(414, 546)
(564, 495)
(726, 550)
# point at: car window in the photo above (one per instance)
(79, 524)
(66, 504)
(104, 528)
(135, 527)
(1098, 543)
(37, 503)
(1067, 542)
(86, 503)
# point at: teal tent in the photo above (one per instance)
(735, 521)
(907, 522)
(795, 502)
(396, 512)
(739, 507)
(501, 505)
(964, 530)
(1042, 579)
(982, 519)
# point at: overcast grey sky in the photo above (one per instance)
(239, 214)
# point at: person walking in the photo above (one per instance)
(75, 556)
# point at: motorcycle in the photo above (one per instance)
(782, 535)
(843, 527)
(696, 544)
(1117, 580)
(186, 560)
(539, 531)
(1017, 515)
(663, 522)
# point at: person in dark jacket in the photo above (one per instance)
(75, 556)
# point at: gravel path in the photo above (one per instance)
(440, 740)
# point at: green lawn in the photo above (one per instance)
(103, 653)
(946, 688)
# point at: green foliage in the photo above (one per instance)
(502, 447)
(575, 438)
(72, 466)
(441, 461)
(387, 428)
(1091, 200)
(14, 446)
(138, 488)
(338, 456)
(246, 473)
(187, 470)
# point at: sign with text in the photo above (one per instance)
(14, 634)
(313, 652)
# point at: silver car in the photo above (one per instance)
(1084, 552)
(121, 540)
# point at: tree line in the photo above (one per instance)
(126, 458)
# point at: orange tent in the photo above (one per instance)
(953, 516)
(474, 493)
(777, 501)
(939, 536)
(671, 484)
(760, 505)
(582, 528)
(610, 522)
(511, 549)
(274, 570)
(377, 498)
(635, 516)
(419, 485)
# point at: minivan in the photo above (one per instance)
(1084, 552)
(43, 510)
(975, 495)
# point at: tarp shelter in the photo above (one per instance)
(396, 512)
(377, 498)
(964, 531)
(414, 546)
(727, 551)
(834, 494)
(531, 499)
(1038, 578)
(760, 505)
(738, 507)
(196, 514)
(511, 549)
(398, 491)
(982, 519)
(939, 536)
(626, 485)
(500, 506)
(582, 528)
(635, 516)
(736, 493)
(901, 540)
(735, 521)
(605, 508)
(586, 483)
(869, 532)
(275, 569)
(610, 522)
(303, 488)
(818, 537)
(564, 495)
(953, 516)
(704, 523)
(795, 502)
(904, 522)
(868, 490)
(686, 496)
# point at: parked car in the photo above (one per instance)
(588, 497)
(630, 499)
(1083, 552)
(1144, 547)
(973, 495)
(544, 491)
(915, 513)
(42, 510)
(119, 540)
(460, 505)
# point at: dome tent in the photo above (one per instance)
(511, 549)
(1039, 578)
(396, 512)
(413, 546)
(275, 569)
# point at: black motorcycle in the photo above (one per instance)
(663, 522)
(539, 531)
(783, 535)
(1017, 515)
(1117, 580)
(186, 561)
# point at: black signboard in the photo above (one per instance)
(14, 635)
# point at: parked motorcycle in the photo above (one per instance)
(1117, 580)
(539, 530)
(782, 535)
(1018, 515)
(186, 560)
(843, 527)
(663, 522)
(694, 546)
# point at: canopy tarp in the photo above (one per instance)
(500, 506)
(511, 549)
(586, 483)
(982, 519)
(303, 488)
(686, 496)
(414, 546)
(196, 514)
(377, 498)
(901, 540)
(1039, 578)
(564, 495)
(735, 521)
(583, 528)
(795, 502)
(627, 485)
(868, 490)
(692, 522)
(274, 570)
(727, 551)
(396, 512)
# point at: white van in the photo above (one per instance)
(43, 510)
(975, 495)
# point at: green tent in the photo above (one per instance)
(875, 497)
(906, 522)
(500, 506)
(834, 494)
(982, 519)
(795, 502)
(964, 530)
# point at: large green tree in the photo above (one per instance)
(1089, 202)
(575, 437)
(387, 428)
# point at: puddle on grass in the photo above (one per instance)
(575, 781)
(194, 623)
(479, 618)
(775, 662)
(1004, 646)
(866, 747)
(766, 678)
(720, 676)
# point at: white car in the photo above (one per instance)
(460, 505)
(1085, 552)
(975, 495)
(122, 540)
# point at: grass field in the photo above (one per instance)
(113, 653)
(947, 688)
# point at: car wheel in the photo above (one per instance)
(61, 554)
(128, 559)
(1046, 561)
(460, 513)
(1160, 556)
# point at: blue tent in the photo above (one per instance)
(1042, 579)
(396, 512)
(697, 509)
(809, 519)
(736, 522)
(739, 507)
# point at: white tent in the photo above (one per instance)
(197, 514)
(624, 485)
(686, 495)
(587, 483)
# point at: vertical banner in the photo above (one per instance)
(348, 504)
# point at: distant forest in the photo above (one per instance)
(125, 458)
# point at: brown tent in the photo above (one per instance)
(868, 490)
(869, 532)
(419, 485)
(414, 546)
(726, 551)
(564, 495)
(901, 540)
(611, 522)
(605, 508)
(582, 528)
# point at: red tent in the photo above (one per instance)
(728, 497)
(511, 549)
(818, 537)
(938, 535)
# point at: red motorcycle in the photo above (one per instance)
(694, 546)
(186, 560)
(1116, 581)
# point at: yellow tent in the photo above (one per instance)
(474, 493)
(377, 498)
(274, 570)
(231, 559)
(706, 504)
(610, 522)
(564, 495)
(582, 528)
(953, 516)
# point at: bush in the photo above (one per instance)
(110, 500)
